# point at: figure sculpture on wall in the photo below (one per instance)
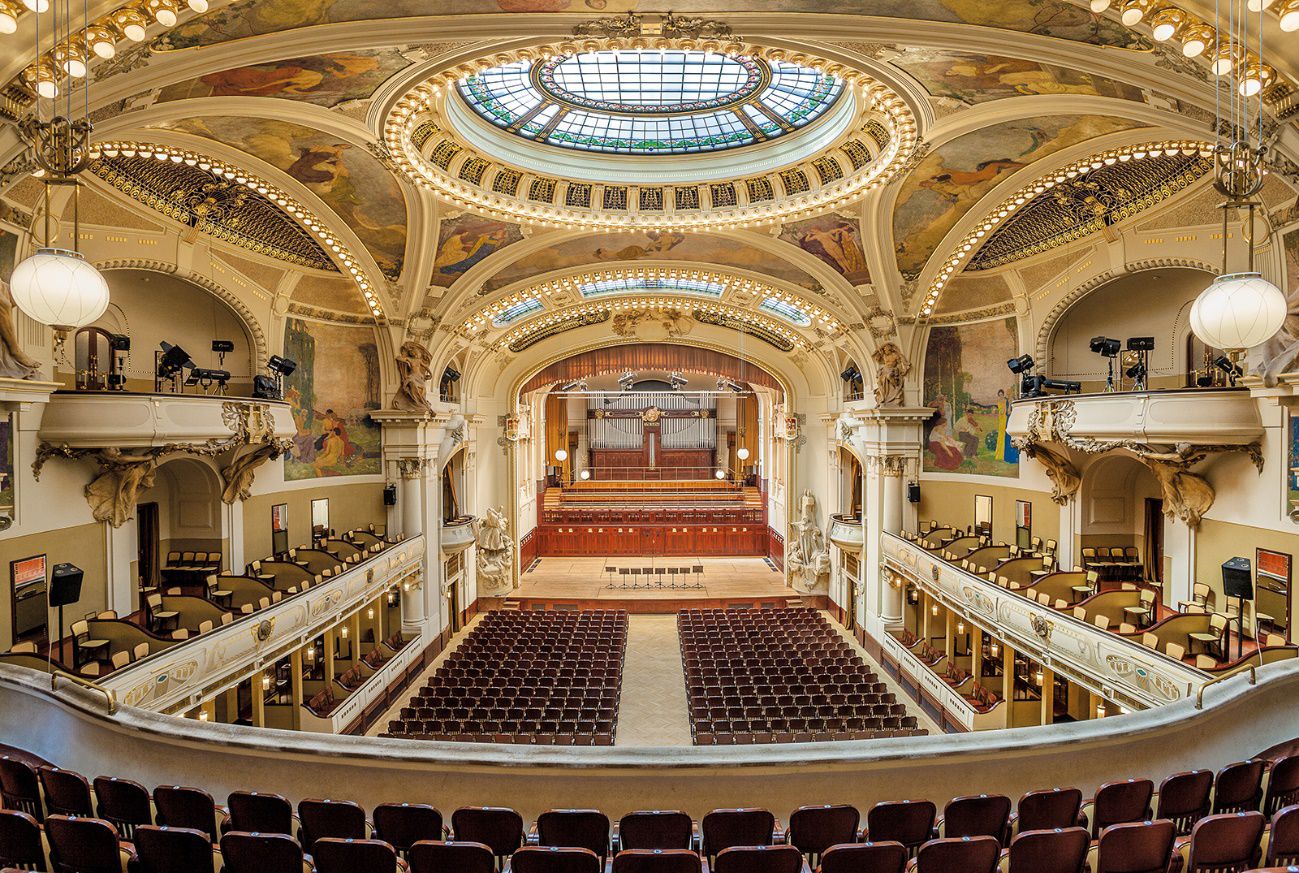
(495, 552)
(1064, 476)
(14, 362)
(1187, 496)
(112, 494)
(893, 370)
(240, 472)
(808, 558)
(414, 369)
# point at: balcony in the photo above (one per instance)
(177, 678)
(457, 535)
(102, 419)
(1118, 668)
(846, 532)
(1095, 422)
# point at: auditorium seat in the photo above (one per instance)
(758, 859)
(1133, 847)
(1239, 787)
(262, 853)
(553, 859)
(1283, 837)
(1282, 785)
(656, 861)
(1225, 843)
(724, 828)
(332, 855)
(498, 828)
(259, 812)
(581, 828)
(813, 829)
(1058, 850)
(22, 845)
(177, 806)
(20, 787)
(665, 829)
(435, 856)
(320, 819)
(85, 845)
(983, 815)
(402, 825)
(173, 850)
(1048, 809)
(909, 822)
(122, 803)
(885, 856)
(1185, 798)
(1120, 803)
(66, 792)
(957, 855)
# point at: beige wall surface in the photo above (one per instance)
(350, 506)
(82, 545)
(953, 503)
(1219, 541)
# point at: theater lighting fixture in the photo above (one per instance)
(993, 649)
(575, 385)
(172, 361)
(584, 475)
(561, 455)
(281, 366)
(720, 474)
(1021, 365)
(626, 380)
(677, 381)
(1105, 346)
(933, 610)
(742, 453)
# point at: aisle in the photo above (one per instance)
(652, 710)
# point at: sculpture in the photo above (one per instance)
(1281, 353)
(112, 494)
(14, 362)
(1064, 476)
(893, 370)
(495, 551)
(1187, 496)
(807, 557)
(414, 370)
(239, 473)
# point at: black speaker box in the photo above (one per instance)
(1237, 580)
(913, 492)
(390, 495)
(65, 584)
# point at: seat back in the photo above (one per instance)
(173, 850)
(261, 853)
(179, 807)
(82, 845)
(959, 855)
(1135, 847)
(1048, 809)
(724, 828)
(497, 827)
(1282, 785)
(66, 792)
(339, 819)
(1226, 843)
(554, 859)
(909, 822)
(1059, 850)
(758, 859)
(123, 803)
(434, 856)
(655, 829)
(1120, 803)
(1184, 799)
(656, 861)
(1239, 786)
(256, 812)
(402, 825)
(332, 855)
(884, 857)
(1283, 837)
(20, 787)
(813, 829)
(20, 841)
(982, 815)
(576, 828)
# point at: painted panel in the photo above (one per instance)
(977, 78)
(835, 239)
(466, 240)
(325, 80)
(970, 389)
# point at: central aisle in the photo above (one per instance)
(652, 710)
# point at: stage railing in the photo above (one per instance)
(682, 475)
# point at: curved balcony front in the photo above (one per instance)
(847, 533)
(457, 535)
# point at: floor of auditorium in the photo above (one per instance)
(652, 710)
(587, 578)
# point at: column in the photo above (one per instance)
(1008, 680)
(893, 499)
(295, 687)
(355, 632)
(925, 612)
(413, 615)
(976, 653)
(949, 637)
(231, 701)
(1048, 695)
(1180, 558)
(258, 699)
(329, 657)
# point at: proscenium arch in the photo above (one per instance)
(586, 363)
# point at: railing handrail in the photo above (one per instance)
(1253, 680)
(109, 695)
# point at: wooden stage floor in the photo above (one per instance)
(585, 581)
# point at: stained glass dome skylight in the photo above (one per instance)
(637, 285)
(674, 101)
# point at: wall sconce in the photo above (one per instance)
(202, 715)
(343, 632)
(369, 613)
(1100, 709)
(1039, 677)
(960, 627)
(994, 649)
(933, 610)
(266, 681)
(311, 652)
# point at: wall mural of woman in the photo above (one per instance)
(970, 389)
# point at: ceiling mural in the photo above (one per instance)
(976, 78)
(952, 178)
(835, 239)
(466, 240)
(1053, 18)
(967, 292)
(345, 176)
(325, 80)
(650, 245)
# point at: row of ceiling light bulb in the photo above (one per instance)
(1197, 37)
(72, 57)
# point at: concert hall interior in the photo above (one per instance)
(573, 436)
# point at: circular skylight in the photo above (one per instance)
(650, 102)
(637, 285)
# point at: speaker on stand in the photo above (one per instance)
(1238, 582)
(65, 589)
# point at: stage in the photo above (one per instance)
(568, 583)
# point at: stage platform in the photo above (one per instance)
(584, 583)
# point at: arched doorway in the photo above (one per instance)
(180, 514)
(1122, 507)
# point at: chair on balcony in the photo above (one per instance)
(66, 792)
(963, 854)
(173, 850)
(758, 859)
(180, 807)
(553, 859)
(725, 828)
(1225, 842)
(262, 853)
(813, 829)
(1214, 639)
(21, 843)
(402, 825)
(332, 855)
(20, 787)
(498, 828)
(655, 829)
(656, 861)
(882, 857)
(123, 803)
(1059, 850)
(1184, 799)
(85, 845)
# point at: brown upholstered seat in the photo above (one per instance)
(1227, 843)
(1059, 850)
(66, 792)
(656, 861)
(553, 859)
(1282, 785)
(20, 787)
(319, 819)
(959, 855)
(1184, 799)
(259, 812)
(83, 845)
(261, 853)
(123, 803)
(177, 806)
(813, 829)
(498, 828)
(173, 850)
(402, 825)
(436, 856)
(882, 857)
(982, 815)
(1120, 803)
(656, 829)
(758, 859)
(20, 841)
(909, 822)
(332, 855)
(724, 828)
(1283, 837)
(580, 828)
(1239, 786)
(1135, 847)
(1048, 809)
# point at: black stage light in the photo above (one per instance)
(1103, 345)
(282, 366)
(852, 374)
(119, 342)
(1067, 386)
(266, 388)
(677, 381)
(451, 374)
(1022, 364)
(205, 375)
(223, 346)
(1228, 366)
(173, 360)
(1141, 344)
(1031, 386)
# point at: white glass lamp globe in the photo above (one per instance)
(721, 474)
(561, 455)
(1238, 311)
(742, 453)
(585, 474)
(59, 288)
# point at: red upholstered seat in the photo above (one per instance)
(173, 850)
(435, 856)
(958, 855)
(909, 822)
(179, 807)
(1059, 850)
(1226, 843)
(656, 861)
(332, 855)
(553, 859)
(656, 829)
(883, 857)
(20, 841)
(259, 812)
(402, 825)
(1135, 847)
(813, 829)
(758, 859)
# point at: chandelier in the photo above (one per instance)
(1239, 310)
(56, 286)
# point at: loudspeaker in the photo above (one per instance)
(390, 495)
(65, 584)
(913, 492)
(1237, 580)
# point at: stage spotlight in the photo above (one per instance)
(222, 347)
(1141, 344)
(1021, 365)
(281, 366)
(627, 380)
(677, 381)
(1065, 386)
(172, 361)
(852, 374)
(575, 385)
(450, 374)
(725, 384)
(208, 377)
(119, 342)
(1230, 367)
(1103, 345)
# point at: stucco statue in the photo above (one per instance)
(495, 551)
(112, 494)
(1280, 354)
(239, 473)
(807, 557)
(893, 370)
(14, 362)
(1064, 476)
(1187, 496)
(414, 369)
